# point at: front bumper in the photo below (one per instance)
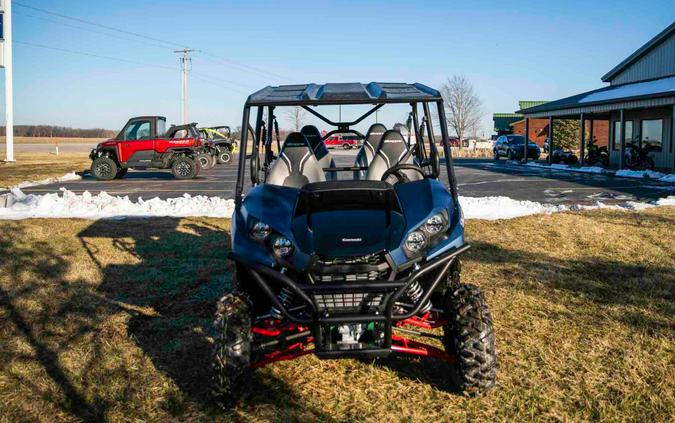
(319, 316)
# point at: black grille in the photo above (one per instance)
(371, 259)
(369, 267)
(349, 302)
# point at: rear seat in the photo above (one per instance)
(393, 150)
(370, 145)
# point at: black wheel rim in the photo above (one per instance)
(103, 170)
(183, 169)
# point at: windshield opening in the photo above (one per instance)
(294, 145)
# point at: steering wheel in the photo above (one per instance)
(400, 176)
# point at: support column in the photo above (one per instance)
(590, 131)
(9, 84)
(622, 137)
(527, 139)
(550, 139)
(582, 138)
(672, 138)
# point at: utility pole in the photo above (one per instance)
(6, 62)
(186, 65)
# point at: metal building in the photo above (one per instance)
(639, 103)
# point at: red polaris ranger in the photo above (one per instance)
(145, 143)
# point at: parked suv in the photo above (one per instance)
(144, 143)
(511, 147)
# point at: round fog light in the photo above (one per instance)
(416, 241)
(260, 231)
(434, 224)
(282, 247)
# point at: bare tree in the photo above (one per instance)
(297, 117)
(462, 105)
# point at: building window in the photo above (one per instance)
(651, 132)
(617, 131)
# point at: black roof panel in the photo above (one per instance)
(342, 93)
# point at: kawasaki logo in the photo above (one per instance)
(352, 239)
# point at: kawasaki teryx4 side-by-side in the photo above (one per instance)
(348, 261)
(145, 143)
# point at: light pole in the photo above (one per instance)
(6, 62)
(184, 61)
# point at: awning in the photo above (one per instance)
(655, 93)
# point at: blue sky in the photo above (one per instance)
(508, 50)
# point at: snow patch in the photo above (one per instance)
(584, 169)
(668, 178)
(18, 205)
(103, 205)
(68, 177)
(626, 173)
(492, 208)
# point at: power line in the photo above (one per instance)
(245, 67)
(98, 56)
(60, 15)
(166, 43)
(204, 78)
(91, 30)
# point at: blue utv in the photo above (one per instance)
(348, 256)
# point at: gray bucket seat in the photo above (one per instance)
(393, 151)
(370, 145)
(296, 165)
(320, 150)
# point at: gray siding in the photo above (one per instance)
(657, 63)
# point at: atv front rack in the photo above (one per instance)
(394, 289)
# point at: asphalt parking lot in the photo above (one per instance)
(475, 178)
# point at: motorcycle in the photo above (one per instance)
(567, 157)
(596, 154)
(637, 158)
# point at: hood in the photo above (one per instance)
(107, 143)
(348, 220)
(349, 233)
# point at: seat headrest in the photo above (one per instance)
(402, 129)
(375, 132)
(295, 139)
(393, 144)
(312, 134)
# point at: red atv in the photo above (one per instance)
(144, 143)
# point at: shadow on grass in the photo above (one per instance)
(44, 266)
(181, 273)
(637, 289)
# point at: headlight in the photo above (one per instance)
(282, 246)
(415, 241)
(260, 231)
(434, 224)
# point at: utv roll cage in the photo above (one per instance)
(308, 96)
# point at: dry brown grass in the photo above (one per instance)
(52, 140)
(470, 153)
(30, 166)
(108, 320)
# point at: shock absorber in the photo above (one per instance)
(285, 297)
(415, 293)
